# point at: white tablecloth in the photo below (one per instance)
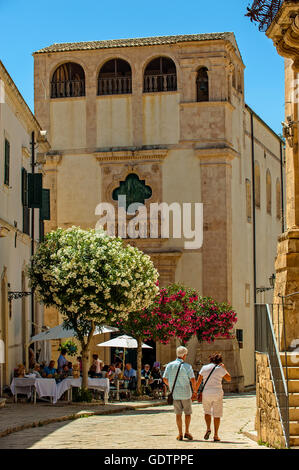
(49, 387)
(22, 385)
(46, 388)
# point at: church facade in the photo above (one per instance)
(163, 120)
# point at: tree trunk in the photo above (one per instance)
(139, 365)
(86, 356)
(85, 365)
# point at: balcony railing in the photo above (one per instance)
(67, 88)
(115, 86)
(264, 12)
(163, 82)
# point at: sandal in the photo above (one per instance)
(207, 435)
(179, 437)
(188, 436)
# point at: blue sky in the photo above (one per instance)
(27, 26)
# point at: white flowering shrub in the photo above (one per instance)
(88, 275)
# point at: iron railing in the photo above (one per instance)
(67, 88)
(266, 342)
(264, 12)
(115, 86)
(160, 82)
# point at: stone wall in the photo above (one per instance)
(268, 425)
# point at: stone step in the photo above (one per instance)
(294, 414)
(294, 429)
(293, 372)
(292, 358)
(293, 386)
(293, 399)
(294, 441)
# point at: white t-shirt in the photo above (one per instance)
(214, 384)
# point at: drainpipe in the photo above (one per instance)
(32, 230)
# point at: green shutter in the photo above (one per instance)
(35, 183)
(45, 209)
(6, 162)
(24, 187)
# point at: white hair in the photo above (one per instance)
(181, 351)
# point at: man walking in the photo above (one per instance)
(179, 374)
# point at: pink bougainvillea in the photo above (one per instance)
(180, 312)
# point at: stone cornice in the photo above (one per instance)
(206, 104)
(52, 161)
(131, 155)
(225, 153)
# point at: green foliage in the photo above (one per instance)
(70, 346)
(82, 394)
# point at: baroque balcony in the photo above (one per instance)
(264, 12)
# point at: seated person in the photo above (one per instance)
(70, 366)
(111, 372)
(92, 370)
(130, 376)
(157, 378)
(104, 373)
(146, 372)
(64, 373)
(50, 371)
(36, 370)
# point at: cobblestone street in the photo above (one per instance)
(148, 428)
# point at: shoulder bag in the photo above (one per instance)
(170, 395)
(202, 386)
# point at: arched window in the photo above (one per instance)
(278, 199)
(257, 184)
(68, 81)
(269, 192)
(135, 190)
(202, 84)
(115, 78)
(248, 200)
(160, 75)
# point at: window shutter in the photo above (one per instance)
(35, 183)
(24, 187)
(6, 162)
(45, 209)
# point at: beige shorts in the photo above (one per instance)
(181, 406)
(213, 405)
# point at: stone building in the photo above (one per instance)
(167, 115)
(18, 318)
(277, 417)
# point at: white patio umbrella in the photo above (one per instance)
(123, 341)
(59, 332)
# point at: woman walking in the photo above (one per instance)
(212, 395)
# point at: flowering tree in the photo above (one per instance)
(182, 313)
(92, 279)
(178, 312)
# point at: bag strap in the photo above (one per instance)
(176, 377)
(209, 377)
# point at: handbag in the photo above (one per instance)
(170, 395)
(202, 386)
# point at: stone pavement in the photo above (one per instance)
(135, 428)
